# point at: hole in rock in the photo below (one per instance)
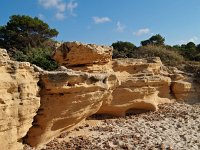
(18, 89)
(93, 79)
(105, 80)
(78, 65)
(100, 117)
(1, 101)
(70, 84)
(134, 111)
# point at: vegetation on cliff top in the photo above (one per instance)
(185, 57)
(31, 39)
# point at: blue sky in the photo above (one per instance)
(108, 21)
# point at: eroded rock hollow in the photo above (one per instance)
(88, 82)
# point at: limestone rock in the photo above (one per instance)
(141, 86)
(77, 54)
(19, 101)
(88, 82)
(187, 91)
(67, 98)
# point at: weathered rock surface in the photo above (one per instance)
(186, 91)
(19, 101)
(89, 82)
(76, 54)
(141, 86)
(96, 84)
(67, 98)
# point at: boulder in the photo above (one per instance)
(78, 54)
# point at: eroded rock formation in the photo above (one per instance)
(19, 101)
(67, 98)
(88, 82)
(97, 84)
(76, 54)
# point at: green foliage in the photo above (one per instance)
(154, 40)
(193, 67)
(29, 39)
(168, 57)
(198, 48)
(123, 49)
(20, 56)
(185, 57)
(24, 31)
(38, 56)
(189, 51)
(197, 57)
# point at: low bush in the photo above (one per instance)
(38, 56)
(193, 67)
(167, 56)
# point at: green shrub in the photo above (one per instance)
(19, 56)
(167, 56)
(122, 49)
(192, 67)
(38, 56)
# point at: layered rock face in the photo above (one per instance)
(88, 82)
(97, 84)
(141, 87)
(19, 101)
(76, 54)
(67, 98)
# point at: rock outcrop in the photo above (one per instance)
(19, 101)
(67, 98)
(78, 54)
(141, 86)
(88, 82)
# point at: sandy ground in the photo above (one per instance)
(174, 127)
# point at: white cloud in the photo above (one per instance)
(98, 20)
(60, 16)
(41, 16)
(71, 6)
(141, 32)
(60, 6)
(120, 27)
(194, 39)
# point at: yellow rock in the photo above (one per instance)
(19, 101)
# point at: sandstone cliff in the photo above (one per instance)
(97, 84)
(19, 101)
(88, 82)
